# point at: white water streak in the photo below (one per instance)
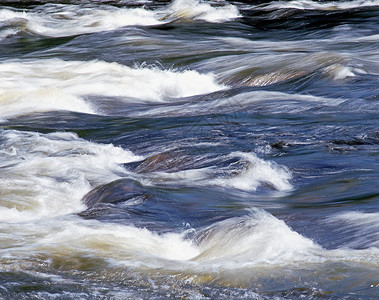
(45, 175)
(56, 20)
(55, 84)
(316, 5)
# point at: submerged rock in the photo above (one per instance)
(163, 162)
(116, 191)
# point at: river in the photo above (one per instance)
(189, 149)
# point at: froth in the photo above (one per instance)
(21, 102)
(48, 174)
(236, 243)
(256, 173)
(6, 15)
(124, 244)
(338, 72)
(197, 10)
(10, 20)
(250, 173)
(54, 84)
(56, 20)
(329, 5)
(241, 244)
(255, 239)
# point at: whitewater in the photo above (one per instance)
(189, 149)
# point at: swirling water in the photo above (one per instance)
(189, 149)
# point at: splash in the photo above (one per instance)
(258, 238)
(55, 84)
(56, 20)
(327, 5)
(19, 102)
(45, 175)
(257, 172)
(182, 10)
(246, 172)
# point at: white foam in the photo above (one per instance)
(201, 10)
(338, 72)
(6, 15)
(236, 243)
(10, 20)
(6, 33)
(54, 84)
(329, 5)
(121, 242)
(21, 102)
(48, 174)
(57, 20)
(72, 237)
(65, 20)
(259, 238)
(227, 248)
(256, 173)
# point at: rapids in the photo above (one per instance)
(189, 149)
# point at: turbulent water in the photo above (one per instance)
(189, 149)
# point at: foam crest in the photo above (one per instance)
(199, 10)
(10, 22)
(239, 244)
(257, 172)
(72, 242)
(235, 243)
(119, 243)
(48, 174)
(6, 15)
(248, 173)
(329, 5)
(338, 72)
(258, 238)
(56, 20)
(21, 102)
(53, 84)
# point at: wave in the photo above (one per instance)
(45, 175)
(362, 226)
(224, 103)
(317, 5)
(19, 102)
(238, 170)
(257, 172)
(262, 70)
(54, 84)
(254, 239)
(233, 248)
(182, 10)
(56, 20)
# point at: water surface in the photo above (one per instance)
(186, 149)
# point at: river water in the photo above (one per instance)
(189, 150)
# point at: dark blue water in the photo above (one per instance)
(185, 149)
